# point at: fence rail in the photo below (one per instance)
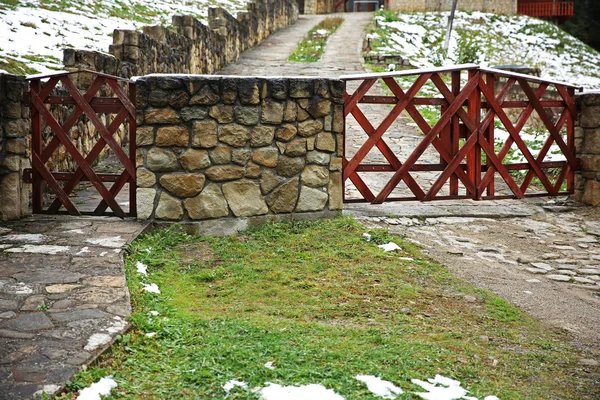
(470, 110)
(547, 9)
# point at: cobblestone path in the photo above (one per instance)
(63, 298)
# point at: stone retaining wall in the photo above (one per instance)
(189, 46)
(495, 6)
(14, 148)
(587, 141)
(215, 147)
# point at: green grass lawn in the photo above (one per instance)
(312, 47)
(322, 304)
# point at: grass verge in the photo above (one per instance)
(311, 48)
(322, 304)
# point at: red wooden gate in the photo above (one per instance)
(470, 109)
(121, 104)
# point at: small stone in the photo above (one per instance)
(63, 288)
(194, 112)
(145, 202)
(252, 171)
(284, 198)
(161, 160)
(144, 136)
(246, 115)
(311, 200)
(559, 278)
(491, 250)
(291, 111)
(8, 304)
(589, 362)
(204, 134)
(470, 299)
(172, 136)
(564, 248)
(145, 178)
(244, 198)
(183, 185)
(224, 173)
(335, 188)
(318, 157)
(109, 280)
(544, 266)
(588, 271)
(537, 270)
(33, 302)
(6, 333)
(272, 113)
(565, 272)
(286, 133)
(593, 277)
(579, 279)
(315, 176)
(161, 116)
(269, 181)
(194, 160)
(169, 208)
(550, 256)
(267, 156)
(30, 322)
(221, 155)
(455, 252)
(296, 148)
(7, 315)
(290, 166)
(179, 99)
(209, 204)
(205, 96)
(262, 136)
(567, 266)
(234, 135)
(241, 156)
(533, 280)
(309, 128)
(223, 114)
(319, 107)
(336, 164)
(583, 245)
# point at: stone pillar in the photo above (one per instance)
(587, 142)
(14, 148)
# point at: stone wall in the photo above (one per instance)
(320, 6)
(214, 147)
(495, 6)
(587, 142)
(190, 47)
(14, 148)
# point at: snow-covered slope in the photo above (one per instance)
(33, 33)
(489, 39)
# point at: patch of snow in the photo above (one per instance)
(269, 365)
(39, 249)
(103, 253)
(47, 389)
(115, 242)
(442, 388)
(100, 388)
(150, 334)
(391, 246)
(228, 387)
(368, 236)
(97, 340)
(154, 313)
(77, 231)
(314, 392)
(83, 250)
(379, 387)
(151, 288)
(142, 268)
(118, 326)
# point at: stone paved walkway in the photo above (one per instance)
(63, 298)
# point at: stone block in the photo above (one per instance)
(589, 99)
(245, 199)
(322, 88)
(318, 107)
(290, 166)
(234, 135)
(318, 157)
(311, 199)
(287, 132)
(161, 116)
(315, 176)
(220, 155)
(267, 156)
(17, 146)
(325, 142)
(175, 135)
(193, 112)
(590, 163)
(10, 191)
(296, 148)
(336, 164)
(169, 208)
(145, 202)
(338, 119)
(145, 178)
(12, 163)
(241, 156)
(228, 89)
(158, 98)
(209, 204)
(223, 114)
(590, 117)
(205, 96)
(204, 134)
(272, 113)
(591, 141)
(291, 111)
(11, 109)
(248, 91)
(246, 115)
(161, 160)
(284, 198)
(300, 88)
(269, 181)
(183, 185)
(335, 189)
(262, 136)
(144, 136)
(194, 160)
(591, 194)
(179, 99)
(252, 171)
(16, 128)
(309, 128)
(302, 115)
(337, 89)
(223, 173)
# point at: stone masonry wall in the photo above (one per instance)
(216, 147)
(14, 148)
(495, 6)
(587, 142)
(190, 46)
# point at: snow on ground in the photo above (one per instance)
(314, 392)
(442, 388)
(35, 32)
(228, 387)
(379, 387)
(491, 39)
(100, 388)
